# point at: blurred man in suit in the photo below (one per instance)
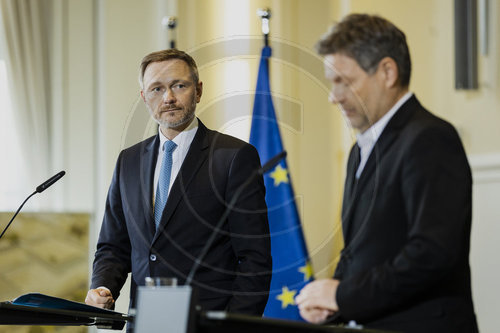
(406, 212)
(194, 172)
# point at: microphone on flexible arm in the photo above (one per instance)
(272, 162)
(40, 188)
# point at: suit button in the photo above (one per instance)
(152, 257)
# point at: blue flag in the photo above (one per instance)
(291, 267)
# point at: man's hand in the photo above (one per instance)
(100, 297)
(316, 301)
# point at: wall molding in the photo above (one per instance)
(485, 167)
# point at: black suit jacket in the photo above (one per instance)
(235, 274)
(406, 225)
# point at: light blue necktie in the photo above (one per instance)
(164, 180)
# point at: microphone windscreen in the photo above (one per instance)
(45, 185)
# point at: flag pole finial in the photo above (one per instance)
(170, 23)
(265, 15)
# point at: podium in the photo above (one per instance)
(170, 309)
(39, 309)
(223, 322)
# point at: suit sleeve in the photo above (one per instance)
(436, 189)
(250, 240)
(112, 258)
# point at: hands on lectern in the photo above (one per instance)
(317, 300)
(100, 297)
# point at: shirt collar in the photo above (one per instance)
(371, 135)
(184, 137)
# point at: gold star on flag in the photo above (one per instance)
(279, 175)
(307, 271)
(286, 297)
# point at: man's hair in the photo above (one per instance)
(168, 54)
(368, 39)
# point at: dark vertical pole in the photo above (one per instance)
(466, 44)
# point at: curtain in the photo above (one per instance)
(25, 51)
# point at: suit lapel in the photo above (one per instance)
(197, 154)
(371, 171)
(148, 164)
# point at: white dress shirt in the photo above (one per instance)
(367, 139)
(183, 141)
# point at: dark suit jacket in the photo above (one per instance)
(406, 225)
(235, 274)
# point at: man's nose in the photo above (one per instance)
(336, 96)
(169, 97)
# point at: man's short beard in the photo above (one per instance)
(185, 120)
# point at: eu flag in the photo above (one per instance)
(291, 268)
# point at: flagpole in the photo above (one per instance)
(291, 266)
(265, 15)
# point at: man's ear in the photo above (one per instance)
(388, 69)
(142, 95)
(199, 91)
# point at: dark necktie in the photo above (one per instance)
(163, 180)
(355, 166)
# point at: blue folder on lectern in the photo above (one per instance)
(40, 309)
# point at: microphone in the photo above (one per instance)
(42, 187)
(273, 161)
(48, 183)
